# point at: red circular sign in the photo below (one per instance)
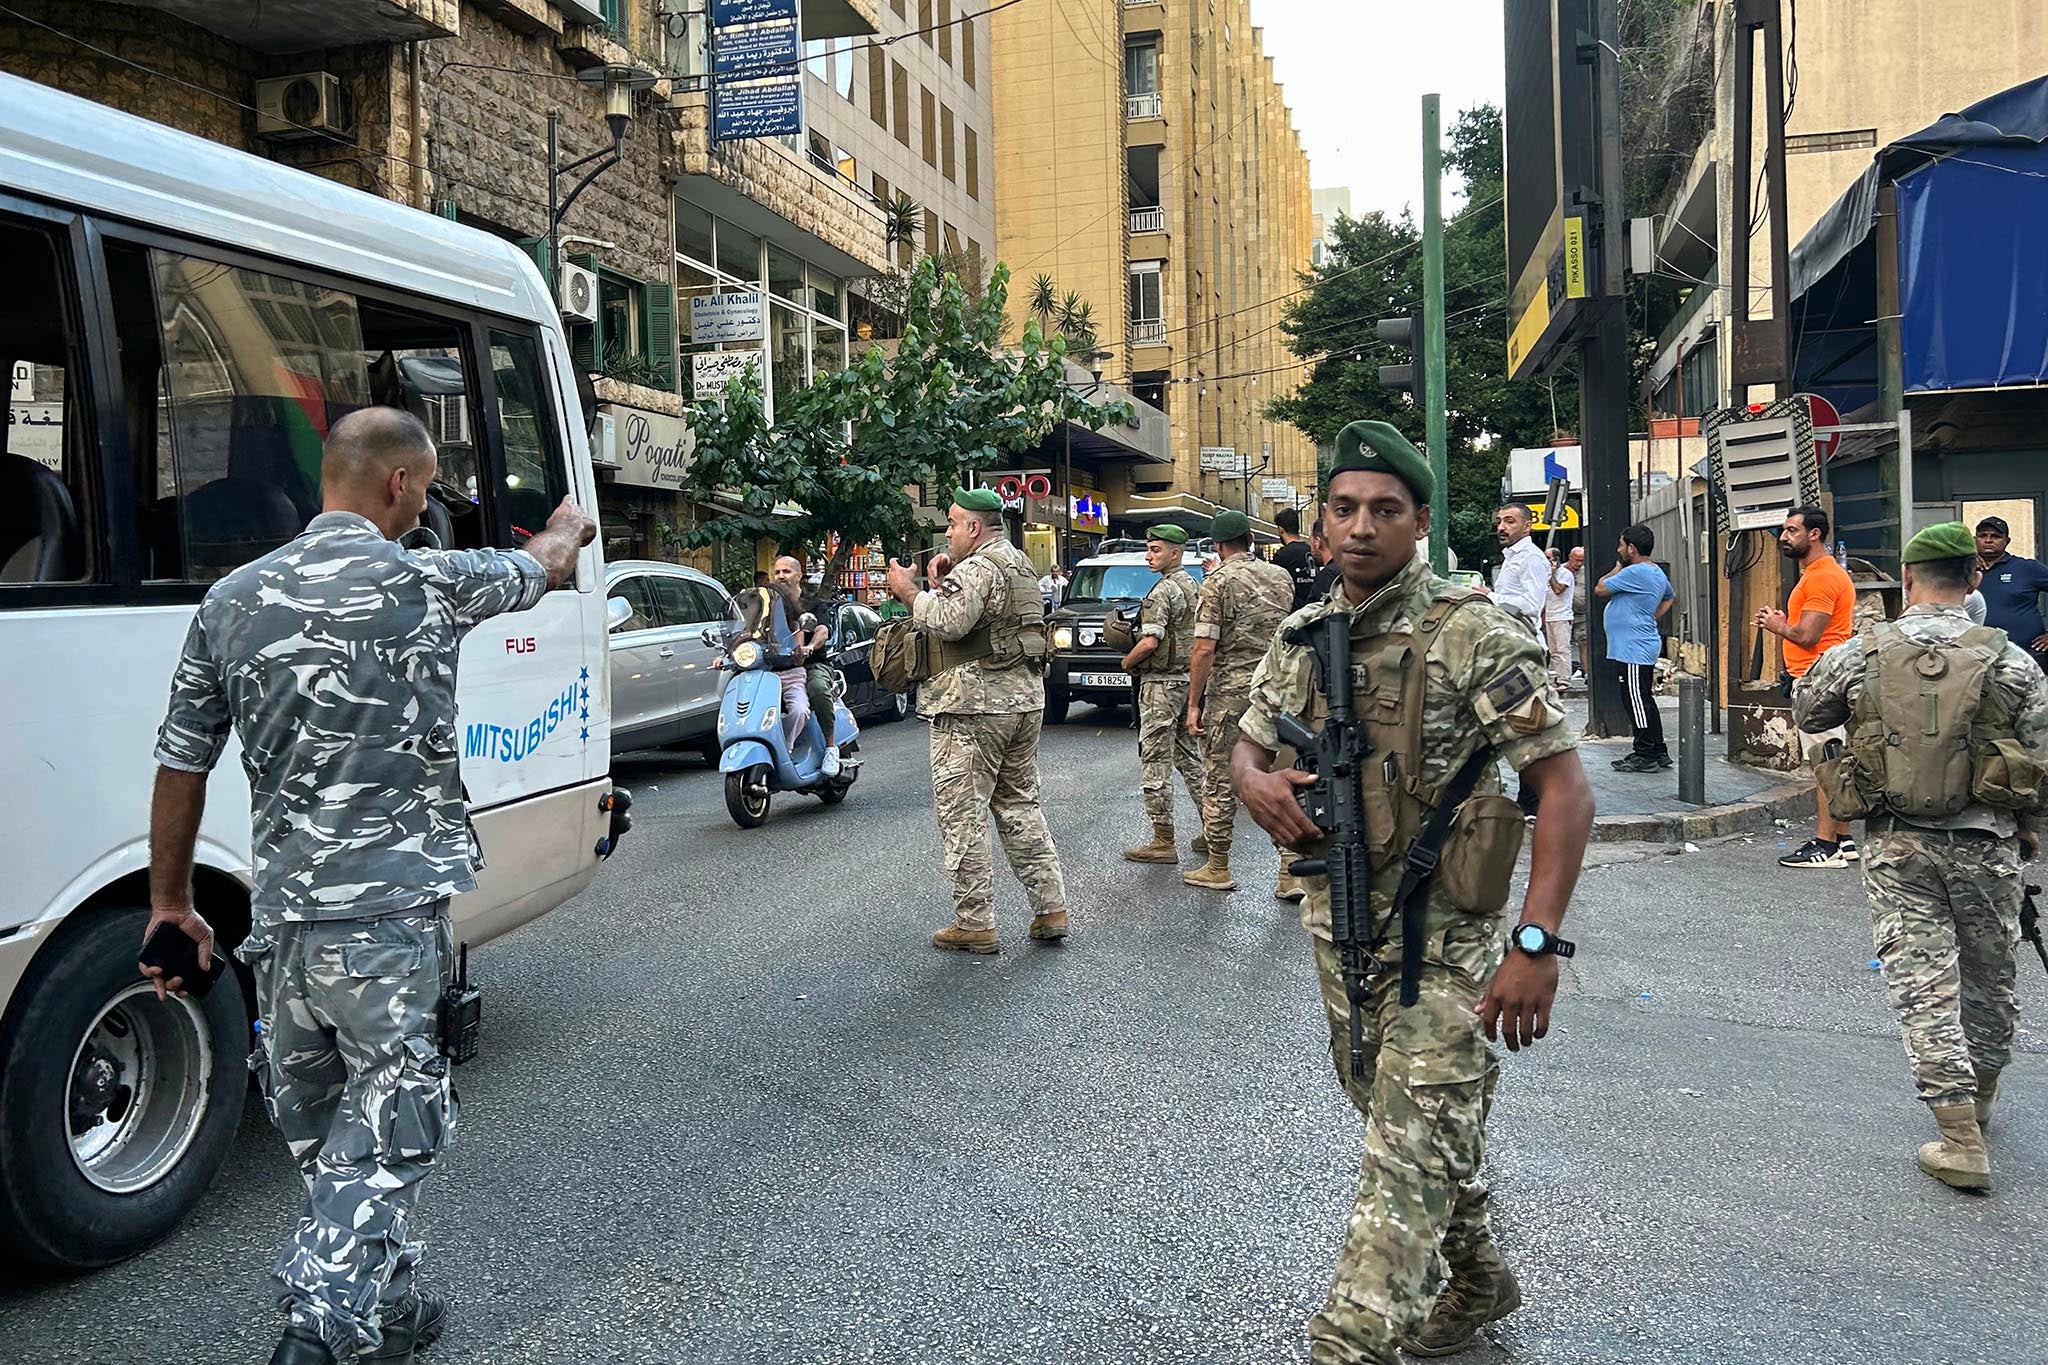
(1038, 486)
(1825, 417)
(1010, 488)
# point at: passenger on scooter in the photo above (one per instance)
(811, 648)
(770, 615)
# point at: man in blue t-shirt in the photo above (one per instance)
(2012, 589)
(1637, 595)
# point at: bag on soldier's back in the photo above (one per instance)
(1927, 736)
(901, 656)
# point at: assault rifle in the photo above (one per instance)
(1336, 803)
(2030, 923)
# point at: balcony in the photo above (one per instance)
(1143, 106)
(1148, 333)
(1149, 219)
(308, 25)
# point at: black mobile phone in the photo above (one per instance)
(173, 951)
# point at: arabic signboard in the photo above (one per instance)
(1220, 460)
(1278, 490)
(727, 317)
(711, 371)
(653, 448)
(773, 108)
(37, 431)
(759, 90)
(726, 12)
(761, 49)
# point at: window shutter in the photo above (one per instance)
(537, 247)
(658, 308)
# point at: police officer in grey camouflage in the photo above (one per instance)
(333, 660)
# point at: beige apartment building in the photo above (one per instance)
(1868, 72)
(1147, 161)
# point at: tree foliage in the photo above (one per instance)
(844, 451)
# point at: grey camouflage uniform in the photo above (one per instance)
(1945, 892)
(1242, 605)
(1430, 1076)
(333, 659)
(985, 722)
(1165, 744)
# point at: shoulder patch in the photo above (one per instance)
(1507, 693)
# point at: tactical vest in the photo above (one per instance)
(1928, 734)
(1167, 657)
(1388, 687)
(1014, 636)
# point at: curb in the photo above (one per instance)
(1792, 801)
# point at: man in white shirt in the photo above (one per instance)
(1052, 589)
(1523, 583)
(1557, 619)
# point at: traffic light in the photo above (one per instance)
(1405, 333)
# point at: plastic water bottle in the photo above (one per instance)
(1842, 553)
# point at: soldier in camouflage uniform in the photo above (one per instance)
(1439, 675)
(333, 659)
(1159, 661)
(1945, 888)
(986, 703)
(1243, 603)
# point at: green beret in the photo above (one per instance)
(1231, 526)
(1943, 540)
(1378, 447)
(1171, 534)
(978, 499)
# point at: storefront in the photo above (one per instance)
(641, 448)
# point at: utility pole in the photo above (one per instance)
(1433, 331)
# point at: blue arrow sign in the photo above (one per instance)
(1553, 468)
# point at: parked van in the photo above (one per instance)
(182, 324)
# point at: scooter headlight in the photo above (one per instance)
(747, 654)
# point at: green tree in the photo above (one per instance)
(844, 451)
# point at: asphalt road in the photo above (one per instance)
(732, 1107)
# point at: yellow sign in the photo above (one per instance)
(1575, 258)
(1528, 331)
(1569, 522)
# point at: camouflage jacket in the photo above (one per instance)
(332, 659)
(974, 592)
(1243, 603)
(1486, 685)
(1168, 616)
(1821, 700)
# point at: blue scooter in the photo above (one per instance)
(752, 753)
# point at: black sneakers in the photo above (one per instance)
(1640, 763)
(1817, 853)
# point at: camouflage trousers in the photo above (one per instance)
(1945, 918)
(351, 1072)
(1166, 744)
(1221, 717)
(985, 765)
(1427, 1086)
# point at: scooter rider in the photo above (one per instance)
(769, 615)
(818, 685)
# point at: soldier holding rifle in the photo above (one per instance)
(1409, 855)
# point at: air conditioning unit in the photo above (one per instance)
(576, 292)
(312, 105)
(604, 441)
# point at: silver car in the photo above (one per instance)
(664, 688)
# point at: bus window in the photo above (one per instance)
(44, 469)
(534, 478)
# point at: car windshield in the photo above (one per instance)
(1127, 582)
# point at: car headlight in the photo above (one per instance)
(1087, 637)
(747, 654)
(1062, 637)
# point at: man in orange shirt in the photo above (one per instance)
(1820, 615)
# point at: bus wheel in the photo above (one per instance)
(116, 1109)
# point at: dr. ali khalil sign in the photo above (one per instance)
(758, 88)
(723, 318)
(653, 449)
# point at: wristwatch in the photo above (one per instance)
(1535, 940)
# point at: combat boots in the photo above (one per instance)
(1959, 1158)
(1050, 925)
(1289, 887)
(1987, 1091)
(960, 939)
(1199, 845)
(1214, 874)
(1483, 1291)
(414, 1330)
(301, 1346)
(1162, 849)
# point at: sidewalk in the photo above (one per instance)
(1645, 806)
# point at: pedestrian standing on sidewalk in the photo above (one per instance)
(1295, 555)
(333, 659)
(1466, 684)
(1557, 619)
(985, 702)
(1637, 595)
(1159, 661)
(1820, 614)
(1241, 607)
(1523, 583)
(2012, 587)
(1948, 816)
(1582, 613)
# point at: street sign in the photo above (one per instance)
(1825, 418)
(1219, 459)
(770, 108)
(711, 371)
(727, 317)
(764, 48)
(1568, 522)
(1278, 490)
(1550, 157)
(1531, 471)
